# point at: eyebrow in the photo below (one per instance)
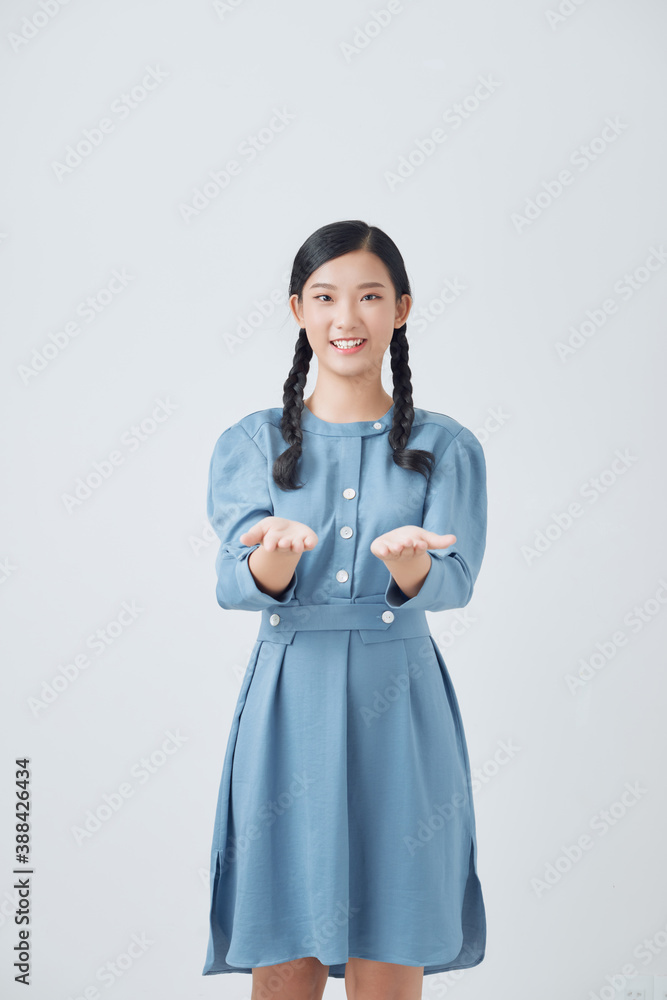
(365, 284)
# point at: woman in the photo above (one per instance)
(344, 841)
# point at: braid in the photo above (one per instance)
(415, 459)
(284, 467)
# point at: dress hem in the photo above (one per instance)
(429, 970)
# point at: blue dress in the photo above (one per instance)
(345, 823)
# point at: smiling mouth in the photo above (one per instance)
(348, 346)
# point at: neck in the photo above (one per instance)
(348, 407)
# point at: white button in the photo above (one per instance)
(387, 616)
(349, 493)
(274, 619)
(346, 531)
(342, 576)
(377, 425)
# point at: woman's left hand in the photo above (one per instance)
(406, 542)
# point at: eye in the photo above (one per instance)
(369, 295)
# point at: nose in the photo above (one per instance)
(346, 319)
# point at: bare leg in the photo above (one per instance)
(301, 979)
(366, 980)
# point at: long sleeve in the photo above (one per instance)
(238, 497)
(455, 503)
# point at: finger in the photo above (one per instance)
(439, 541)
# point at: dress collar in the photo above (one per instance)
(358, 428)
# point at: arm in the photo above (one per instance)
(456, 502)
(237, 498)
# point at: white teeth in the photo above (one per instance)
(347, 343)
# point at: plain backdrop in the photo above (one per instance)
(516, 154)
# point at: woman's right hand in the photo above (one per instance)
(280, 533)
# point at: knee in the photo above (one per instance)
(301, 979)
(369, 980)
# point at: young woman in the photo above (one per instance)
(344, 842)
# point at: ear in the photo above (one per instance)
(403, 307)
(297, 312)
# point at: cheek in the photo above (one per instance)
(381, 323)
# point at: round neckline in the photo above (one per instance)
(310, 422)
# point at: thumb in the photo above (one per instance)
(252, 536)
(436, 541)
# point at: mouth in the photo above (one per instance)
(348, 346)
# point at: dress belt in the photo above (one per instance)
(375, 622)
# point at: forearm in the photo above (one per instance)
(272, 571)
(411, 574)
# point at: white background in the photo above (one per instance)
(175, 333)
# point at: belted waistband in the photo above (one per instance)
(375, 622)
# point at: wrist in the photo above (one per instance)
(410, 574)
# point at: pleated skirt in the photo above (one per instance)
(345, 823)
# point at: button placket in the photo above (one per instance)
(346, 515)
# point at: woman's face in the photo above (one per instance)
(350, 298)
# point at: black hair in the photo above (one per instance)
(326, 243)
